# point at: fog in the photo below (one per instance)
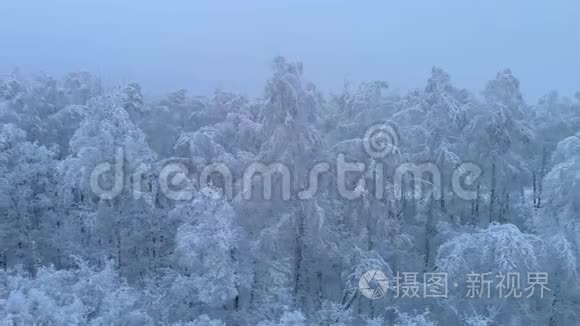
(230, 44)
(287, 187)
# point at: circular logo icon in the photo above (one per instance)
(373, 284)
(380, 140)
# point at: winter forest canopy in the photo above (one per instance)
(105, 220)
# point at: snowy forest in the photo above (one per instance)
(118, 208)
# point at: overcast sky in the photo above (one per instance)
(201, 45)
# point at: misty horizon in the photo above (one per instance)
(205, 46)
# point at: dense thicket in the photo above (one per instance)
(70, 256)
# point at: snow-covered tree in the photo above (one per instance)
(118, 208)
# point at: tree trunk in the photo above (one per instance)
(541, 178)
(428, 234)
(492, 193)
(299, 257)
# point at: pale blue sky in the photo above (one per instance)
(201, 45)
